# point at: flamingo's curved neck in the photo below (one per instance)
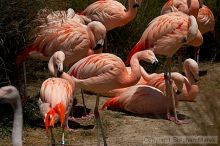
(17, 124)
(135, 74)
(91, 37)
(189, 76)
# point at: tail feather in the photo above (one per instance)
(112, 103)
(137, 47)
(49, 119)
(23, 55)
(59, 108)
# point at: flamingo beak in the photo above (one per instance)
(99, 45)
(155, 64)
(136, 5)
(60, 70)
(178, 92)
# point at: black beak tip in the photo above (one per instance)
(135, 5)
(59, 73)
(178, 92)
(155, 63)
(196, 80)
(98, 46)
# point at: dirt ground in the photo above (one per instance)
(123, 129)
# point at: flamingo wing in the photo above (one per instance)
(106, 12)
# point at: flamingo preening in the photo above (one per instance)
(9, 94)
(56, 95)
(164, 35)
(103, 72)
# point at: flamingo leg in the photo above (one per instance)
(170, 93)
(197, 50)
(63, 139)
(25, 83)
(87, 116)
(180, 60)
(105, 45)
(98, 122)
(83, 99)
(53, 142)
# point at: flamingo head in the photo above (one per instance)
(200, 3)
(136, 3)
(194, 37)
(59, 108)
(99, 32)
(55, 64)
(149, 56)
(49, 119)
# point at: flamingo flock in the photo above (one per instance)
(76, 41)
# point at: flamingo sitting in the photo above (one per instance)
(74, 39)
(56, 94)
(103, 72)
(189, 7)
(206, 23)
(142, 99)
(165, 35)
(9, 94)
(155, 80)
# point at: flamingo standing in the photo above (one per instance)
(190, 88)
(165, 35)
(103, 72)
(74, 39)
(111, 12)
(9, 94)
(206, 23)
(56, 94)
(189, 7)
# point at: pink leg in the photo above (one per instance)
(176, 120)
(87, 116)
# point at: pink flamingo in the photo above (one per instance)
(206, 23)
(103, 72)
(155, 80)
(190, 88)
(189, 7)
(49, 17)
(9, 94)
(74, 39)
(56, 95)
(142, 99)
(165, 35)
(111, 12)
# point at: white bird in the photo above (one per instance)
(9, 94)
